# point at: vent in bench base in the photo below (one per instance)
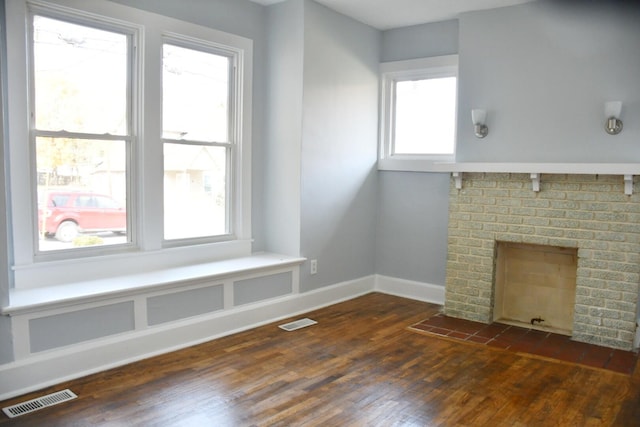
(39, 403)
(292, 326)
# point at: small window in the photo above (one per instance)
(425, 116)
(419, 103)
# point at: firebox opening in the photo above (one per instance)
(535, 286)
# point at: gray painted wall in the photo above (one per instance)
(544, 70)
(320, 184)
(283, 127)
(6, 341)
(420, 41)
(413, 207)
(339, 147)
(412, 226)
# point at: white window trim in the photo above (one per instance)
(390, 73)
(148, 251)
(129, 138)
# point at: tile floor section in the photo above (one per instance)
(530, 341)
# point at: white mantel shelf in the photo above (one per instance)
(569, 168)
(626, 170)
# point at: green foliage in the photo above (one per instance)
(88, 241)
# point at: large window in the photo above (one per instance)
(418, 118)
(197, 141)
(129, 141)
(82, 133)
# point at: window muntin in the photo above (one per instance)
(81, 125)
(418, 113)
(425, 116)
(196, 89)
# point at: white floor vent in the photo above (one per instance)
(302, 323)
(39, 403)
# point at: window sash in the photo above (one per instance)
(400, 71)
(233, 124)
(200, 46)
(86, 47)
(103, 24)
(429, 147)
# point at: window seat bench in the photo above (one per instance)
(24, 301)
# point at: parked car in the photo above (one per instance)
(65, 214)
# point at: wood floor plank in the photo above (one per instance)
(359, 366)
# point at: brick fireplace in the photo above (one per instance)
(590, 213)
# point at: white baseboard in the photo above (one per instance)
(410, 289)
(56, 366)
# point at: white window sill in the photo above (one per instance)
(23, 301)
(413, 165)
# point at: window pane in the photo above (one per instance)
(425, 116)
(195, 95)
(82, 193)
(80, 78)
(195, 191)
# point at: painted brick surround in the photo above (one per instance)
(588, 212)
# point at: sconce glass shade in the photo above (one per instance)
(612, 110)
(479, 118)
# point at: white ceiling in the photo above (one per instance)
(385, 14)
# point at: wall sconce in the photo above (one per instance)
(612, 111)
(479, 118)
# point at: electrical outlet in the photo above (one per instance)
(313, 266)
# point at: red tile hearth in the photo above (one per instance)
(531, 341)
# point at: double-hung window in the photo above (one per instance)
(198, 139)
(81, 132)
(418, 112)
(129, 141)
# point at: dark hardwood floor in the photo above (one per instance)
(359, 366)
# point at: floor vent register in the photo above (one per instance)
(298, 324)
(39, 403)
